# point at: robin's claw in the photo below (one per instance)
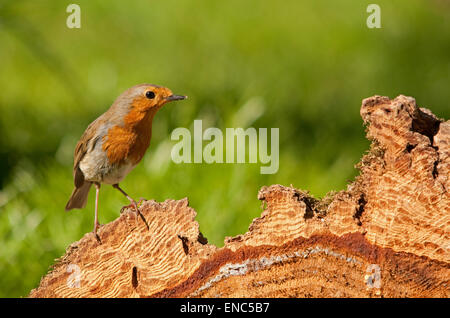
(96, 226)
(141, 200)
(97, 237)
(126, 207)
(138, 212)
(133, 205)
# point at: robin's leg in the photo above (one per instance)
(133, 203)
(96, 223)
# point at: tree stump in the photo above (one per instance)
(386, 235)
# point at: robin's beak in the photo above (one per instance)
(171, 98)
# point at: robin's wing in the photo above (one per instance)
(87, 143)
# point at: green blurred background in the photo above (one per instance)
(302, 66)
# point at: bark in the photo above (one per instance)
(386, 235)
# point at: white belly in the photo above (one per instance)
(116, 175)
(96, 168)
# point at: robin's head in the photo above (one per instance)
(145, 97)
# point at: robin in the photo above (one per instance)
(115, 143)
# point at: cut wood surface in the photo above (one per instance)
(386, 235)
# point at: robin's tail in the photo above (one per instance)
(79, 197)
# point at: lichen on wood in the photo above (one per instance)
(386, 235)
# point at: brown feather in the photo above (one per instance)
(79, 196)
(82, 148)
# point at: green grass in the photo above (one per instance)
(307, 65)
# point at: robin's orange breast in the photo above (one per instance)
(130, 141)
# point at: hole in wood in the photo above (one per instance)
(184, 241)
(134, 279)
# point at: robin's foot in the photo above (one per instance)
(141, 200)
(138, 212)
(96, 226)
(97, 237)
(129, 206)
(135, 206)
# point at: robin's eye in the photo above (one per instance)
(150, 95)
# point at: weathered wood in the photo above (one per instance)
(386, 235)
